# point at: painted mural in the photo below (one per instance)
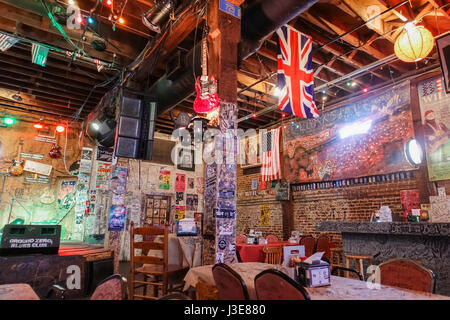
(362, 138)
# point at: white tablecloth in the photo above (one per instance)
(185, 251)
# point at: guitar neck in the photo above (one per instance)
(204, 57)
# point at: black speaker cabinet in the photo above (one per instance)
(30, 239)
(134, 138)
(97, 271)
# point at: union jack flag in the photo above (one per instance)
(295, 73)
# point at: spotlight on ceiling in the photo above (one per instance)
(159, 14)
(17, 96)
(103, 130)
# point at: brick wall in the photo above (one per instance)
(248, 212)
(351, 203)
(354, 203)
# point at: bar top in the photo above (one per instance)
(393, 228)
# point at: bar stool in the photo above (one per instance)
(359, 262)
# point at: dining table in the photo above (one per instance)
(255, 253)
(340, 289)
(17, 291)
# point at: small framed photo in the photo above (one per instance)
(185, 159)
(443, 49)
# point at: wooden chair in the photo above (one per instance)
(337, 258)
(310, 244)
(335, 271)
(407, 274)
(156, 268)
(359, 263)
(273, 254)
(323, 244)
(272, 284)
(229, 283)
(241, 239)
(272, 239)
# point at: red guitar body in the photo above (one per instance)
(55, 152)
(207, 98)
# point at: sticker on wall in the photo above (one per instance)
(199, 185)
(264, 219)
(86, 160)
(65, 188)
(224, 213)
(180, 212)
(102, 175)
(117, 218)
(36, 178)
(191, 202)
(105, 154)
(179, 197)
(180, 182)
(255, 184)
(191, 183)
(164, 179)
(37, 167)
(119, 180)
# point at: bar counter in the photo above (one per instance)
(427, 242)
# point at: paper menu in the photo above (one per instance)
(315, 257)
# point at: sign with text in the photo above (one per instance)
(230, 8)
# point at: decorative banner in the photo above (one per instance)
(264, 218)
(164, 179)
(6, 42)
(363, 138)
(117, 216)
(103, 173)
(39, 54)
(37, 167)
(191, 202)
(105, 154)
(180, 182)
(434, 108)
(180, 212)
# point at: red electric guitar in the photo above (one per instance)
(207, 99)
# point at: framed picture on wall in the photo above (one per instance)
(443, 49)
(249, 151)
(185, 159)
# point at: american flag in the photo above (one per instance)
(270, 163)
(7, 42)
(295, 73)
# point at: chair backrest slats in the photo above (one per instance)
(149, 245)
(149, 231)
(148, 260)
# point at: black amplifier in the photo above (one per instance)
(30, 239)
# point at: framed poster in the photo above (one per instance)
(443, 49)
(249, 151)
(185, 159)
(157, 210)
(434, 104)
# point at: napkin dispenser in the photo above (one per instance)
(315, 274)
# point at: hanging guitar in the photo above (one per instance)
(55, 152)
(16, 169)
(207, 98)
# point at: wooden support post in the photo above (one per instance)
(224, 36)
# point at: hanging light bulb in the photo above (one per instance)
(60, 128)
(414, 43)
